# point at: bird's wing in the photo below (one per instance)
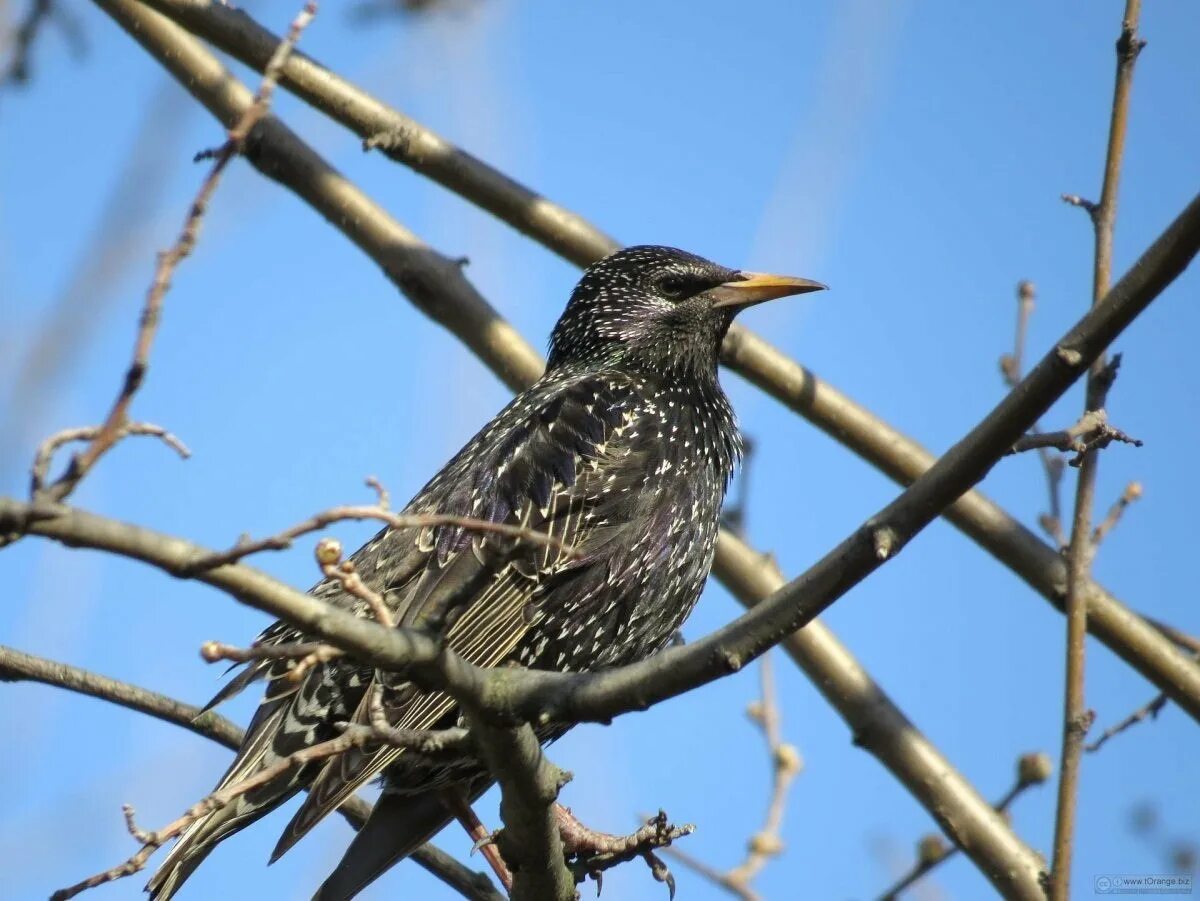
(559, 469)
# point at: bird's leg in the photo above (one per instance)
(465, 814)
(596, 851)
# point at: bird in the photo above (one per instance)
(622, 452)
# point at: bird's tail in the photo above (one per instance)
(398, 825)
(197, 841)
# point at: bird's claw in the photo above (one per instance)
(591, 852)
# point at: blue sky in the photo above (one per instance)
(908, 154)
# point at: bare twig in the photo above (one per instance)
(307, 654)
(1032, 769)
(329, 557)
(152, 841)
(47, 449)
(1077, 718)
(1132, 492)
(283, 540)
(16, 665)
(111, 431)
(1012, 369)
(1092, 432)
(1150, 710)
(785, 765)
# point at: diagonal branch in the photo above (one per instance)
(1032, 769)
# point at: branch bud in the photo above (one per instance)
(930, 849)
(1034, 768)
(328, 551)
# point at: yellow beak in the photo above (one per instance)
(755, 287)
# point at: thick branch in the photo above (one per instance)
(529, 785)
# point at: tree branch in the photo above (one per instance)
(115, 423)
(458, 307)
(17, 666)
(1077, 719)
(529, 785)
(544, 697)
(864, 705)
(932, 852)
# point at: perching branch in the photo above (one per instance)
(459, 308)
(908, 754)
(1077, 718)
(529, 785)
(453, 303)
(17, 666)
(545, 697)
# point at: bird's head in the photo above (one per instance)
(660, 310)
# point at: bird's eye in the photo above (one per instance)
(672, 286)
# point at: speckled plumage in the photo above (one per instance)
(623, 450)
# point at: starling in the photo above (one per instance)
(622, 451)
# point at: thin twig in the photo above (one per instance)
(152, 841)
(46, 450)
(932, 850)
(111, 431)
(1092, 432)
(785, 765)
(16, 666)
(284, 539)
(1150, 710)
(1012, 369)
(1077, 718)
(1132, 492)
(306, 654)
